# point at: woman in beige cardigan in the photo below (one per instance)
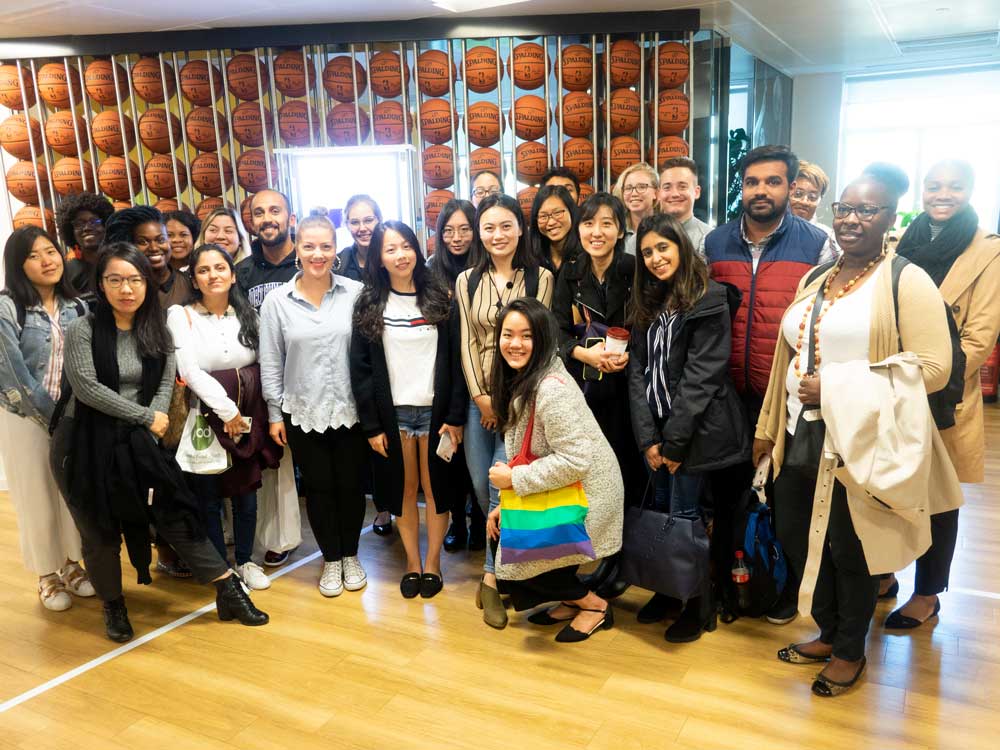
(856, 321)
(964, 261)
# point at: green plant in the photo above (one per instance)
(739, 145)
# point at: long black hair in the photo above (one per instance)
(539, 245)
(150, 328)
(432, 294)
(515, 389)
(522, 258)
(249, 334)
(15, 254)
(688, 284)
(446, 264)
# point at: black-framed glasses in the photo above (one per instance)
(557, 215)
(865, 212)
(80, 224)
(642, 187)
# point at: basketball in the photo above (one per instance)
(387, 122)
(148, 82)
(576, 67)
(14, 136)
(673, 64)
(291, 71)
(481, 69)
(437, 120)
(528, 61)
(296, 122)
(33, 216)
(339, 81)
(432, 72)
(160, 175)
(433, 203)
(242, 72)
(197, 85)
(21, 181)
(120, 205)
(251, 170)
(626, 109)
(626, 60)
(532, 161)
(60, 133)
(672, 112)
(153, 131)
(106, 130)
(625, 151)
(71, 175)
(483, 122)
(52, 84)
(668, 147)
(113, 178)
(342, 125)
(166, 205)
(247, 129)
(578, 155)
(10, 87)
(577, 114)
(245, 215)
(203, 209)
(484, 160)
(526, 198)
(585, 192)
(529, 114)
(387, 79)
(439, 167)
(201, 129)
(99, 80)
(430, 245)
(205, 173)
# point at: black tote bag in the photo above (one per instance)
(804, 450)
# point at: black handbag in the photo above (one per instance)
(664, 552)
(804, 449)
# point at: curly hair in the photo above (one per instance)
(122, 224)
(73, 204)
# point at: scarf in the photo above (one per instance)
(936, 256)
(659, 339)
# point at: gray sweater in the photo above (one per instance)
(82, 375)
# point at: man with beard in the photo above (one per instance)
(272, 254)
(81, 221)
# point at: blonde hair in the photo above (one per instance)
(244, 248)
(815, 175)
(654, 180)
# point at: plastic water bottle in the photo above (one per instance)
(741, 578)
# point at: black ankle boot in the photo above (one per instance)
(457, 535)
(606, 570)
(116, 623)
(231, 601)
(698, 616)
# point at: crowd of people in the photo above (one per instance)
(169, 382)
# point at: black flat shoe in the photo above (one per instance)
(477, 538)
(827, 688)
(116, 623)
(383, 529)
(569, 634)
(457, 537)
(233, 603)
(898, 621)
(690, 625)
(544, 618)
(660, 607)
(612, 589)
(891, 592)
(430, 584)
(792, 655)
(409, 586)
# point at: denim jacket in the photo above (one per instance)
(24, 357)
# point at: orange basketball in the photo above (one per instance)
(342, 124)
(387, 78)
(251, 170)
(14, 136)
(578, 155)
(387, 122)
(99, 80)
(21, 181)
(481, 69)
(203, 209)
(526, 198)
(153, 130)
(247, 128)
(529, 114)
(296, 121)
(484, 160)
(148, 81)
(578, 114)
(626, 109)
(577, 67)
(166, 205)
(245, 215)
(34, 216)
(160, 175)
(672, 112)
(483, 122)
(673, 64)
(585, 192)
(432, 72)
(60, 133)
(437, 120)
(113, 177)
(205, 173)
(430, 245)
(626, 60)
(532, 161)
(668, 147)
(10, 87)
(291, 71)
(71, 175)
(339, 81)
(625, 151)
(106, 129)
(439, 167)
(200, 126)
(433, 203)
(120, 205)
(529, 64)
(197, 83)
(52, 85)
(242, 72)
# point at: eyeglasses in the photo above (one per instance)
(864, 213)
(481, 192)
(556, 215)
(80, 224)
(115, 281)
(642, 187)
(450, 232)
(804, 195)
(368, 221)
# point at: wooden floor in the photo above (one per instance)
(372, 670)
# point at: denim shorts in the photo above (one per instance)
(414, 421)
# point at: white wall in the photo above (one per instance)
(816, 119)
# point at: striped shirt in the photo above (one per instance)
(52, 380)
(410, 344)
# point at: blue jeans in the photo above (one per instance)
(206, 488)
(678, 493)
(483, 448)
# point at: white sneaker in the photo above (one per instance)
(75, 579)
(355, 577)
(53, 594)
(331, 582)
(253, 576)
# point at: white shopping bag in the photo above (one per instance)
(279, 524)
(199, 451)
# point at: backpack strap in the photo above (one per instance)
(475, 277)
(819, 271)
(898, 264)
(531, 281)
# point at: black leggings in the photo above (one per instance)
(934, 566)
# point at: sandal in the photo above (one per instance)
(826, 688)
(76, 580)
(792, 655)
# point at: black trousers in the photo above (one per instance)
(331, 481)
(559, 585)
(934, 566)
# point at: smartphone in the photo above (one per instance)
(445, 449)
(249, 425)
(589, 373)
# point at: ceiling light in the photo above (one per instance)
(464, 6)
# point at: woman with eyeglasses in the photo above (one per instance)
(224, 227)
(81, 218)
(810, 186)
(637, 187)
(552, 238)
(483, 184)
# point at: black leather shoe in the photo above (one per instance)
(430, 584)
(660, 607)
(691, 624)
(892, 592)
(456, 537)
(569, 634)
(898, 621)
(233, 603)
(383, 529)
(544, 618)
(409, 585)
(612, 589)
(477, 538)
(607, 569)
(116, 623)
